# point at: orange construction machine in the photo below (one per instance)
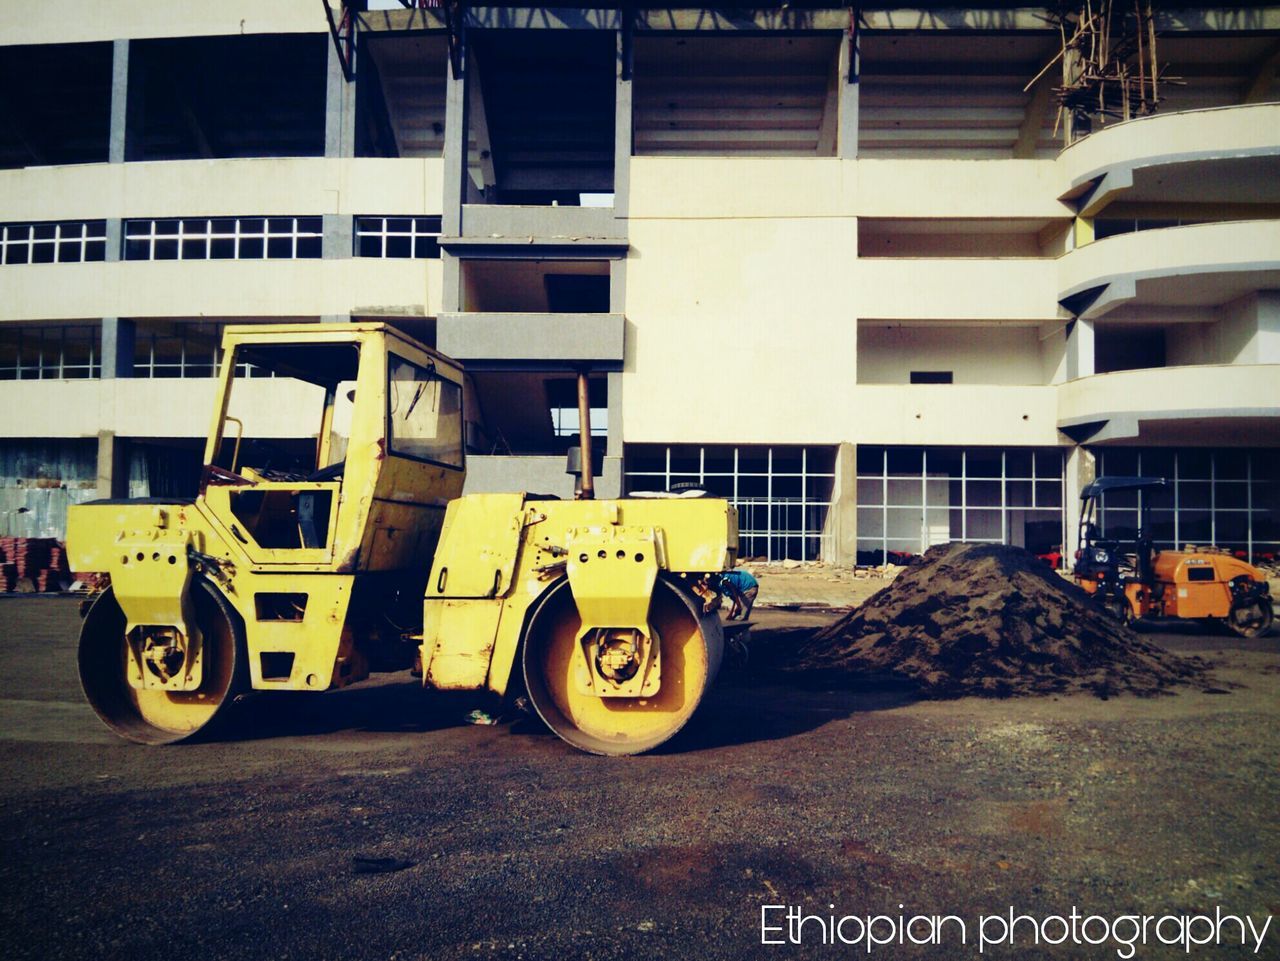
(1134, 581)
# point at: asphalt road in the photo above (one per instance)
(519, 847)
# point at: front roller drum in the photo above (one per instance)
(156, 716)
(692, 645)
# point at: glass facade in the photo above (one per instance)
(783, 494)
(913, 498)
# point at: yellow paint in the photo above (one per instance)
(310, 558)
(1083, 232)
(545, 542)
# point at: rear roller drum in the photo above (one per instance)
(1250, 616)
(691, 646)
(159, 717)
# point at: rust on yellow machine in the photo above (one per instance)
(303, 565)
(1135, 581)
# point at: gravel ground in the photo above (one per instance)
(522, 848)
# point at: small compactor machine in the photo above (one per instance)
(1134, 581)
(305, 572)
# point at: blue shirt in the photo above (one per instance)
(739, 580)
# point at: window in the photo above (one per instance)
(931, 377)
(913, 498)
(65, 242)
(398, 237)
(54, 352)
(424, 413)
(1226, 498)
(782, 494)
(224, 238)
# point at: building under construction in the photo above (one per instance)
(883, 276)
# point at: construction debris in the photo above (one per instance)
(991, 621)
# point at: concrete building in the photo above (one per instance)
(839, 268)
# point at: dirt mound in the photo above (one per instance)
(992, 621)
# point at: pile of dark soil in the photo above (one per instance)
(992, 621)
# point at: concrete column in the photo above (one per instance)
(848, 81)
(614, 446)
(339, 143)
(119, 101)
(1080, 469)
(1080, 349)
(1268, 337)
(842, 519)
(339, 236)
(113, 465)
(118, 342)
(456, 126)
(339, 109)
(622, 124)
(125, 134)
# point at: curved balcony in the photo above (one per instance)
(1222, 155)
(1232, 403)
(1204, 265)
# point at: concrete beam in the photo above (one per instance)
(511, 336)
(543, 18)
(713, 20)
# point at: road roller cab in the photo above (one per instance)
(304, 565)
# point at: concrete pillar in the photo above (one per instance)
(623, 124)
(1268, 336)
(614, 446)
(339, 109)
(1080, 349)
(113, 465)
(339, 143)
(118, 345)
(456, 126)
(339, 236)
(848, 80)
(118, 142)
(1080, 469)
(842, 519)
(125, 133)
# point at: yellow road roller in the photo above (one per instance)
(305, 572)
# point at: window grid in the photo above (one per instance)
(894, 504)
(57, 352)
(772, 525)
(224, 238)
(63, 242)
(1205, 525)
(398, 237)
(184, 350)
